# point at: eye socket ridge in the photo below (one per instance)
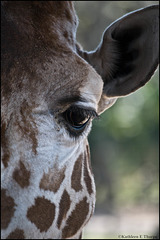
(78, 117)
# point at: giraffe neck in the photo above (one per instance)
(58, 201)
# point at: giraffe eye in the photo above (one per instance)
(78, 118)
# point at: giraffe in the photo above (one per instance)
(51, 92)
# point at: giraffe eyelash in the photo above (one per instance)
(85, 112)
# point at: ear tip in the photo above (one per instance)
(154, 8)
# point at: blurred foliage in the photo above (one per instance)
(124, 142)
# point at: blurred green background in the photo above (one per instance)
(124, 143)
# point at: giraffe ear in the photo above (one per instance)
(128, 54)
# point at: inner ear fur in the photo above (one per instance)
(128, 53)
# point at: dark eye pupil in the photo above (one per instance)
(76, 119)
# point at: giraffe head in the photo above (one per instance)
(51, 92)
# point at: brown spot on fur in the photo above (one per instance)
(76, 175)
(4, 143)
(52, 180)
(63, 207)
(27, 125)
(88, 157)
(42, 213)
(8, 205)
(87, 177)
(22, 175)
(65, 34)
(76, 219)
(16, 234)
